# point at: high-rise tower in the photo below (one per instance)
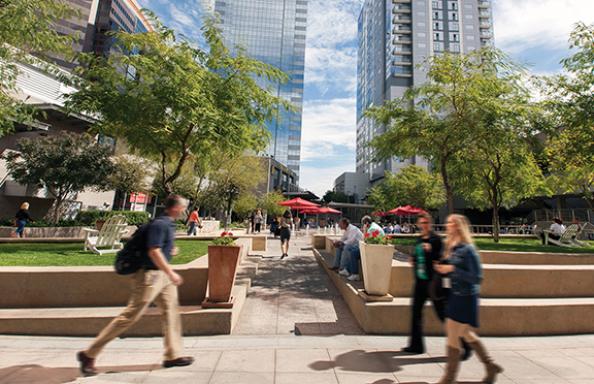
(274, 32)
(394, 37)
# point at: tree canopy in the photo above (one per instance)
(27, 27)
(64, 164)
(413, 185)
(570, 150)
(172, 102)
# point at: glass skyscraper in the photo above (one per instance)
(274, 32)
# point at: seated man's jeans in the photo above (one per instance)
(348, 260)
(355, 254)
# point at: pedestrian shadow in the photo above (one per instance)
(426, 382)
(374, 362)
(38, 374)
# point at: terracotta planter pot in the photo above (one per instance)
(376, 261)
(222, 268)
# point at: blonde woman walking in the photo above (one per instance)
(463, 266)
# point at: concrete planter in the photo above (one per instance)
(222, 269)
(376, 261)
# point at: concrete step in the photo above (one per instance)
(88, 321)
(498, 316)
(515, 281)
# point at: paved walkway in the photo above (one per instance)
(294, 295)
(328, 348)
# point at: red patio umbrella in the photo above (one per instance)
(379, 214)
(328, 210)
(407, 210)
(298, 203)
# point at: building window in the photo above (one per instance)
(437, 15)
(436, 4)
(454, 26)
(438, 46)
(437, 36)
(454, 36)
(453, 5)
(438, 26)
(453, 16)
(455, 47)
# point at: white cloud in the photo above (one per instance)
(331, 55)
(524, 24)
(329, 126)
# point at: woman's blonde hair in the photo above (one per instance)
(25, 205)
(463, 228)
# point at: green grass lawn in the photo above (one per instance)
(71, 254)
(519, 245)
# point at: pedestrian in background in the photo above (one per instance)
(285, 232)
(258, 219)
(21, 219)
(194, 222)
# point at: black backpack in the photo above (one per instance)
(133, 256)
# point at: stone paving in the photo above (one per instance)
(294, 329)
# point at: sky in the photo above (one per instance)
(533, 32)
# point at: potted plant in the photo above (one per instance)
(223, 259)
(376, 262)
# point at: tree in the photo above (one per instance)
(27, 27)
(64, 164)
(238, 175)
(175, 102)
(270, 203)
(337, 197)
(498, 176)
(129, 175)
(413, 185)
(437, 119)
(245, 204)
(570, 151)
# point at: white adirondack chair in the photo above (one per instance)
(566, 239)
(109, 238)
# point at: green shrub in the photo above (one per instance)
(132, 217)
(41, 223)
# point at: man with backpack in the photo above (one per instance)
(153, 280)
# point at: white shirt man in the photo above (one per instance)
(352, 235)
(557, 229)
(349, 242)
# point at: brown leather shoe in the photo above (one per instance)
(179, 362)
(87, 364)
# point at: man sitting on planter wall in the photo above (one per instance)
(347, 251)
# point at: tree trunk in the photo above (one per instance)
(57, 210)
(447, 186)
(124, 201)
(495, 223)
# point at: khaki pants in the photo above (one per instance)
(456, 330)
(148, 286)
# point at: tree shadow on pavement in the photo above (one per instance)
(375, 362)
(38, 374)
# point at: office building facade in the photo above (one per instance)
(274, 32)
(93, 21)
(395, 36)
